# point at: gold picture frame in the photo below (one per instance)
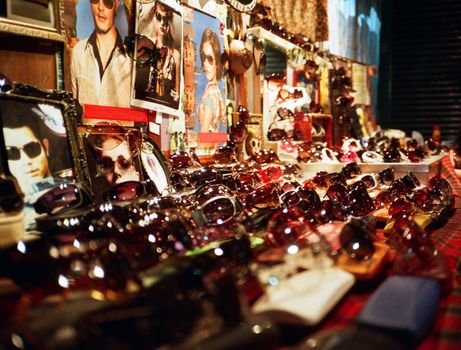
(31, 27)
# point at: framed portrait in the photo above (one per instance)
(112, 155)
(38, 141)
(158, 82)
(98, 79)
(35, 18)
(209, 113)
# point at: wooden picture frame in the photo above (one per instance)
(38, 142)
(16, 23)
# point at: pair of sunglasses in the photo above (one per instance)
(356, 238)
(32, 150)
(107, 3)
(181, 160)
(105, 136)
(63, 197)
(255, 45)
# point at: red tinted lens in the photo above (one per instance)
(63, 196)
(180, 160)
(219, 211)
(263, 197)
(238, 133)
(124, 191)
(400, 205)
(337, 193)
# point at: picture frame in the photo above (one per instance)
(108, 163)
(48, 22)
(38, 143)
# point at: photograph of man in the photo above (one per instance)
(31, 147)
(158, 81)
(100, 68)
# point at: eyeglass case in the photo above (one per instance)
(405, 306)
(306, 297)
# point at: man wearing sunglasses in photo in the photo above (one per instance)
(27, 153)
(101, 70)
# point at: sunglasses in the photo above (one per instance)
(351, 170)
(141, 49)
(287, 226)
(63, 197)
(11, 196)
(107, 165)
(255, 45)
(265, 196)
(225, 155)
(216, 205)
(284, 95)
(238, 132)
(32, 149)
(109, 135)
(107, 3)
(208, 58)
(266, 157)
(165, 19)
(183, 159)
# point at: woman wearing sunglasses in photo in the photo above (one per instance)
(164, 73)
(114, 157)
(210, 109)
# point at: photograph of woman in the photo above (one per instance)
(211, 108)
(158, 81)
(210, 111)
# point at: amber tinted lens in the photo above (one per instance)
(400, 205)
(369, 181)
(263, 197)
(359, 203)
(337, 193)
(383, 199)
(386, 176)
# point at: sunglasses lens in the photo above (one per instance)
(180, 160)
(400, 205)
(13, 153)
(219, 211)
(337, 193)
(351, 170)
(386, 176)
(124, 191)
(58, 198)
(106, 164)
(369, 181)
(33, 149)
(356, 242)
(263, 197)
(276, 135)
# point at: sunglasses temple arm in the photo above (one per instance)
(325, 245)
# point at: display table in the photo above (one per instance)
(446, 333)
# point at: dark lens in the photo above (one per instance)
(108, 3)
(180, 160)
(337, 193)
(423, 199)
(13, 153)
(359, 203)
(125, 164)
(106, 164)
(124, 191)
(391, 156)
(383, 199)
(204, 176)
(219, 211)
(400, 205)
(369, 181)
(57, 198)
(276, 135)
(33, 149)
(351, 170)
(225, 155)
(356, 242)
(263, 197)
(386, 176)
(238, 132)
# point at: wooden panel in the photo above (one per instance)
(27, 60)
